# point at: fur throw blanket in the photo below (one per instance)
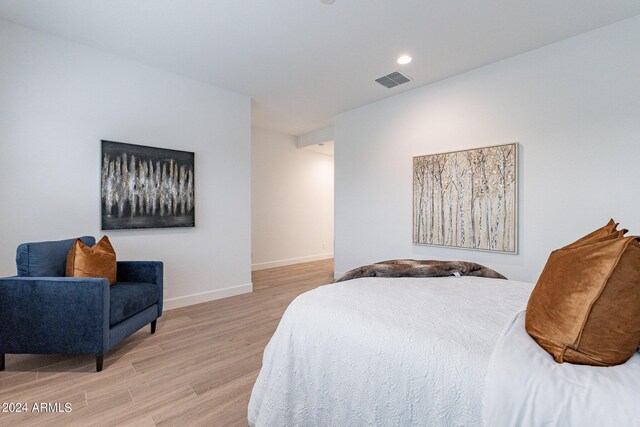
(420, 268)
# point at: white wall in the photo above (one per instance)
(292, 201)
(574, 106)
(59, 99)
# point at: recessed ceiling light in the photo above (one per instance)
(327, 1)
(404, 59)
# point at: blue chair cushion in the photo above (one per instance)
(129, 298)
(46, 259)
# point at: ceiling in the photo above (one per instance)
(303, 61)
(327, 148)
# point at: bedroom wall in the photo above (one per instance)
(59, 99)
(291, 201)
(574, 107)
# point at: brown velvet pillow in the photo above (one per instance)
(603, 232)
(585, 308)
(96, 261)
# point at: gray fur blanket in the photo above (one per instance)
(420, 268)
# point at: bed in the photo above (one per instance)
(424, 351)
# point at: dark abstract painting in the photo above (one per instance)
(146, 187)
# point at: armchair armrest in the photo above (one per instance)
(143, 272)
(64, 315)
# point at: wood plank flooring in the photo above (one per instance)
(198, 369)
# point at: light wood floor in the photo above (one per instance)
(198, 369)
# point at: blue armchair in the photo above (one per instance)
(43, 312)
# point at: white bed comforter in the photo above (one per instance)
(525, 387)
(385, 352)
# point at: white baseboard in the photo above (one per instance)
(290, 261)
(337, 275)
(198, 298)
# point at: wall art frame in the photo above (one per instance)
(467, 199)
(146, 187)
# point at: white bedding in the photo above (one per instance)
(525, 387)
(379, 351)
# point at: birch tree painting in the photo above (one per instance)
(467, 199)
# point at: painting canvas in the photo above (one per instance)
(467, 199)
(146, 187)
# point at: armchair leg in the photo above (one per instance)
(1, 361)
(153, 326)
(99, 363)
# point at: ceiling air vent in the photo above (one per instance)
(393, 79)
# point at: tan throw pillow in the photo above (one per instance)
(603, 232)
(585, 308)
(96, 261)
